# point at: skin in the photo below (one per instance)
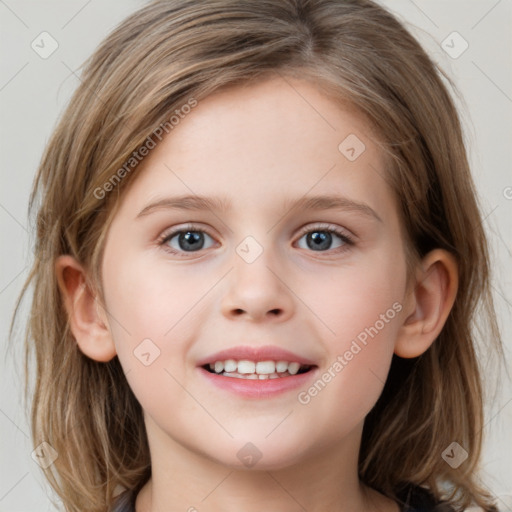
(258, 146)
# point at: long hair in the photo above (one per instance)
(159, 59)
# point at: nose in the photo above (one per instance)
(258, 291)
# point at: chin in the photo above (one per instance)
(262, 456)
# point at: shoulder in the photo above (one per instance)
(125, 502)
(414, 498)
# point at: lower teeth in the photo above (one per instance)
(254, 376)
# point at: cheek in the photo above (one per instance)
(148, 316)
(150, 301)
(365, 326)
(359, 308)
(153, 316)
(352, 298)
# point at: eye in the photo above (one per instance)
(191, 238)
(187, 239)
(320, 238)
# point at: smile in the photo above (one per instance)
(261, 370)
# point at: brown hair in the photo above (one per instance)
(153, 63)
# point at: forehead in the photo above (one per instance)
(280, 138)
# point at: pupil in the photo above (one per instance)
(190, 239)
(321, 239)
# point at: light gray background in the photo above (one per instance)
(33, 92)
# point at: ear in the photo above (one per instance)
(87, 320)
(428, 304)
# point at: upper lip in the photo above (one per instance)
(266, 353)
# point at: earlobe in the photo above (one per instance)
(87, 320)
(429, 303)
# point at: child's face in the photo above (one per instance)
(260, 148)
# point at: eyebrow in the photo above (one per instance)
(219, 204)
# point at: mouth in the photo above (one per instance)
(257, 373)
(257, 370)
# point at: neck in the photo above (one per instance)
(322, 479)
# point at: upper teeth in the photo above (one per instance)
(261, 367)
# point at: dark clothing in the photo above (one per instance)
(418, 499)
(125, 502)
(411, 499)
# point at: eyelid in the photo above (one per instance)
(190, 226)
(325, 226)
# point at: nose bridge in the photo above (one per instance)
(256, 287)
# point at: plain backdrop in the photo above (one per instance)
(34, 91)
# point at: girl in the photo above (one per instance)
(315, 350)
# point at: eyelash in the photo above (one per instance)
(346, 239)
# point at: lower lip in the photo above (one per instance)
(255, 388)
